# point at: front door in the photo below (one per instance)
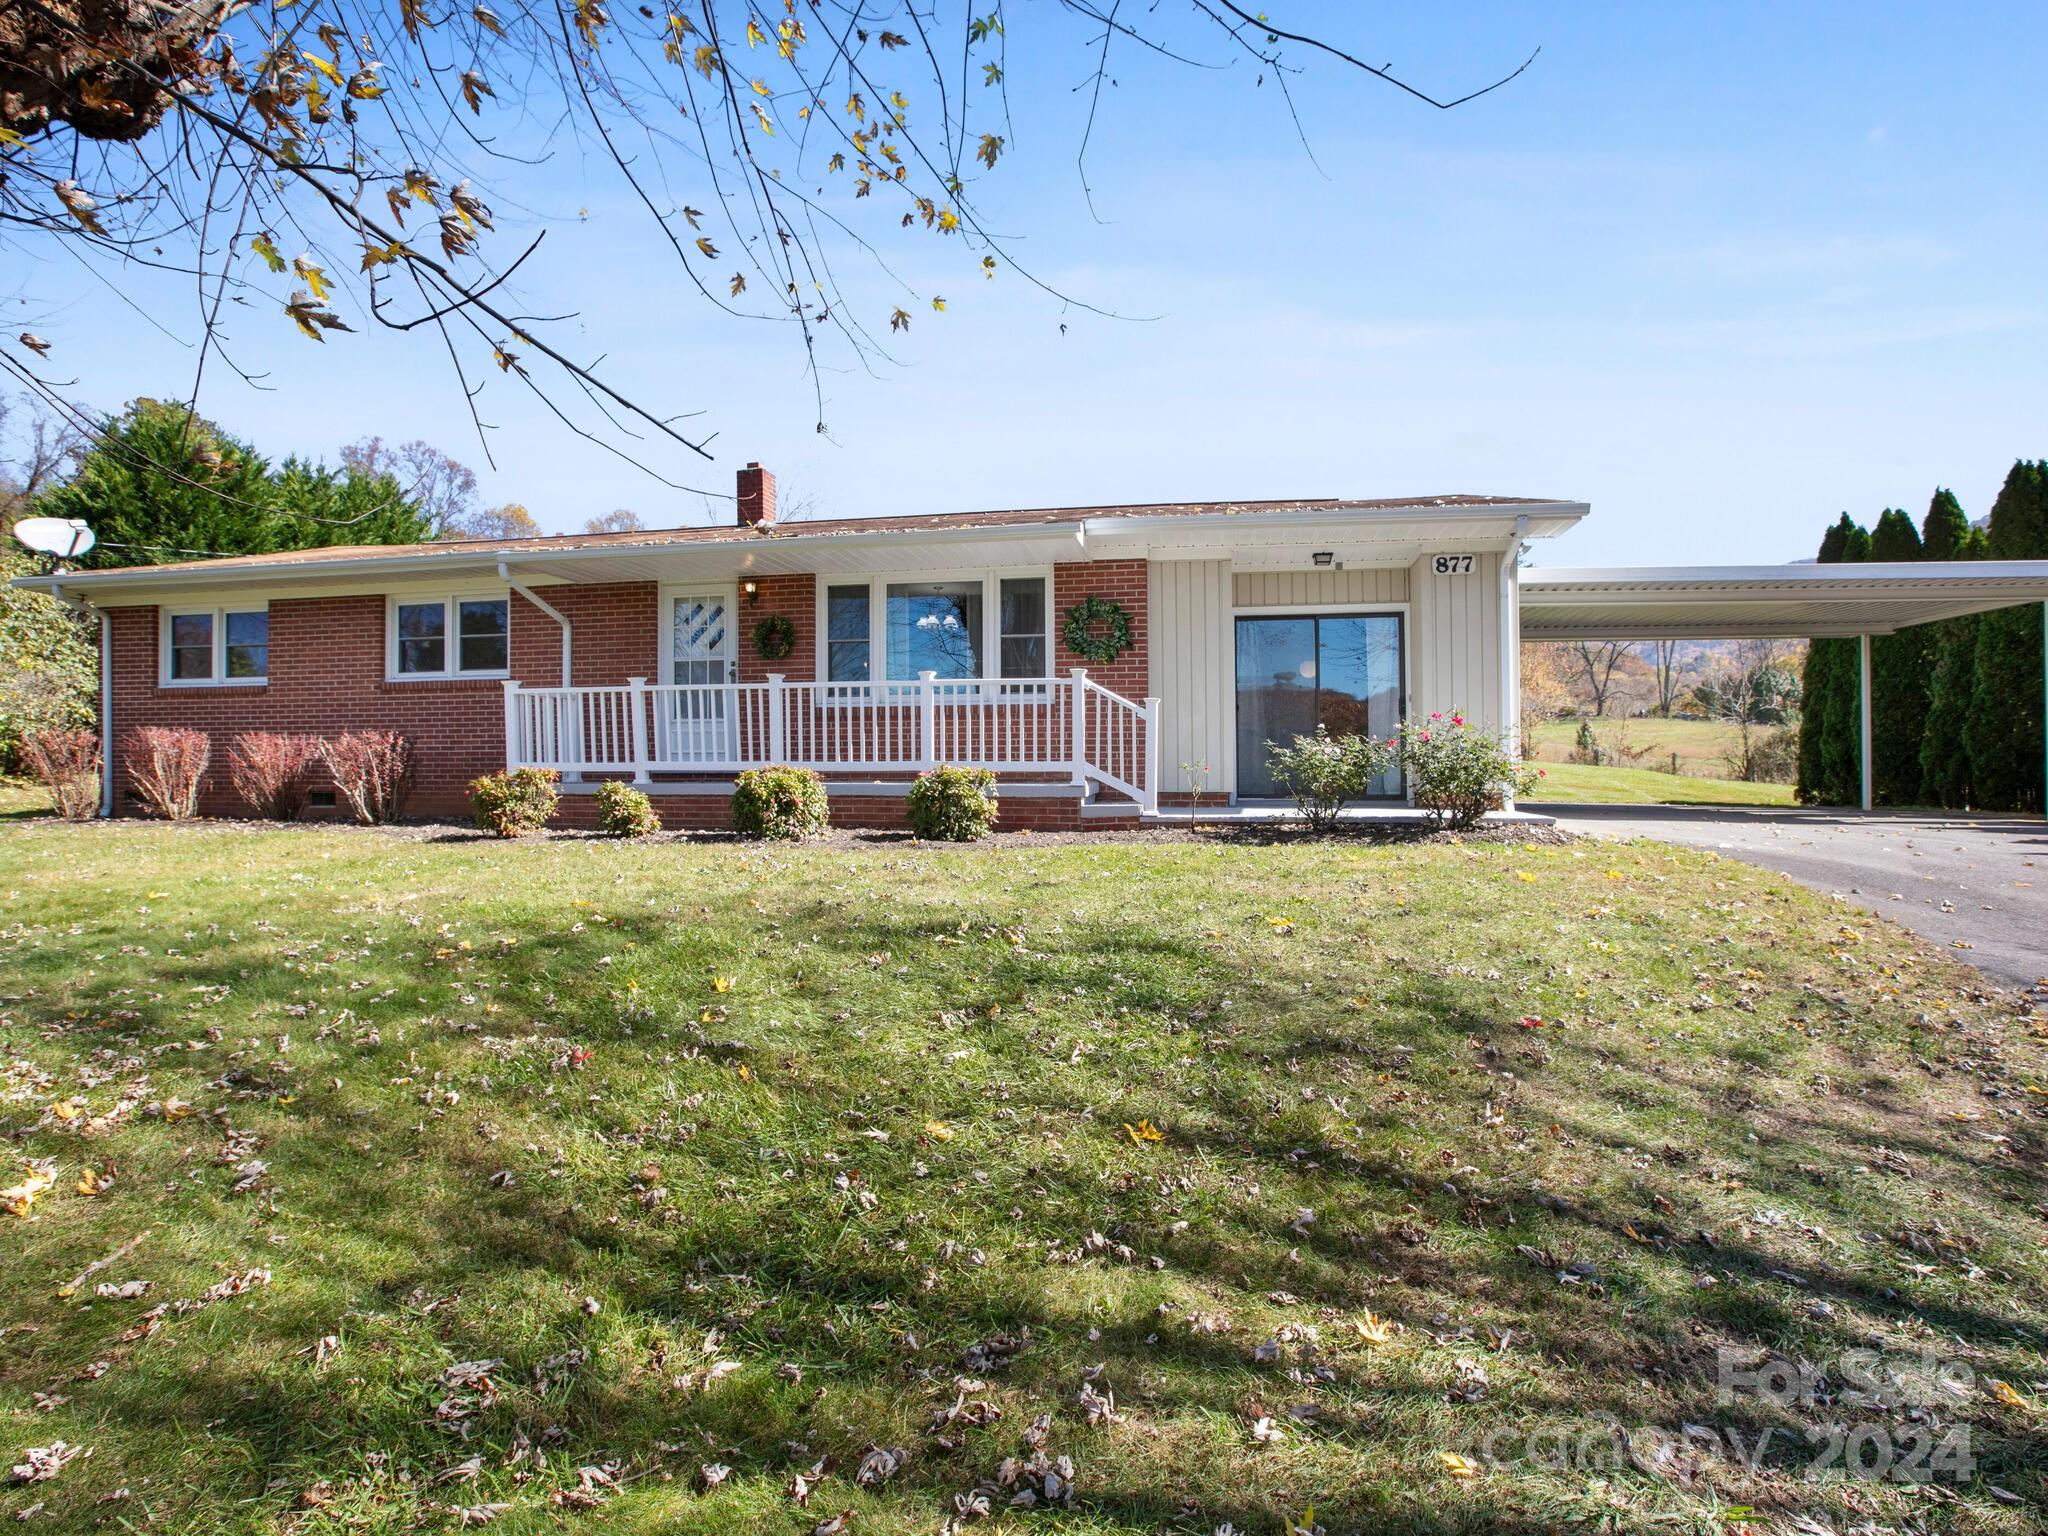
(1295, 672)
(692, 721)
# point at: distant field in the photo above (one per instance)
(1703, 746)
(1573, 784)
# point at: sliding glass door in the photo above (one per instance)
(1295, 672)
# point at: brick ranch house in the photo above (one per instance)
(865, 648)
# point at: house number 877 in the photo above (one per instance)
(1453, 565)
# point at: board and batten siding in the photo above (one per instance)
(1452, 636)
(1194, 672)
(1454, 660)
(1312, 590)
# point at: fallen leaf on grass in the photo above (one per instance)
(17, 1199)
(1143, 1132)
(40, 1463)
(1457, 1465)
(1374, 1330)
(2008, 1394)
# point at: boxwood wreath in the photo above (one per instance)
(774, 637)
(1093, 645)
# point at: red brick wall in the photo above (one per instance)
(1123, 583)
(327, 675)
(796, 599)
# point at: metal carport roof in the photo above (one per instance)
(1700, 602)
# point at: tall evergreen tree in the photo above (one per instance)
(1831, 729)
(1898, 685)
(2004, 730)
(160, 486)
(1946, 534)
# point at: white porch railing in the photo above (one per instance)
(1068, 725)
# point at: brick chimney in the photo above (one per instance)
(757, 496)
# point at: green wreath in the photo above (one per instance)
(774, 637)
(1081, 636)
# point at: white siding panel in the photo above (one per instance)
(1357, 588)
(1457, 658)
(1193, 670)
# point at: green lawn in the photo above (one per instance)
(522, 1183)
(1574, 783)
(1703, 746)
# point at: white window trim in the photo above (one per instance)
(878, 582)
(218, 612)
(452, 672)
(665, 619)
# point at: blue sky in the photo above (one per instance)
(1721, 271)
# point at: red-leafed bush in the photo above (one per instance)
(372, 771)
(67, 764)
(165, 764)
(273, 773)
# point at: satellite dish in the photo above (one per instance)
(64, 537)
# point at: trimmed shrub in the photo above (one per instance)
(783, 803)
(515, 803)
(67, 764)
(372, 771)
(953, 805)
(623, 811)
(273, 773)
(1324, 773)
(165, 765)
(1457, 772)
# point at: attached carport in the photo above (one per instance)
(1814, 602)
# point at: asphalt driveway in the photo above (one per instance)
(1980, 881)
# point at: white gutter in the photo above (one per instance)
(106, 624)
(568, 648)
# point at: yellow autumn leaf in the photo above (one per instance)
(263, 247)
(1524, 876)
(324, 66)
(1143, 1132)
(938, 303)
(16, 1199)
(755, 36)
(722, 983)
(2008, 1394)
(704, 244)
(761, 88)
(1374, 1330)
(93, 1182)
(1281, 924)
(746, 1073)
(938, 1130)
(314, 278)
(1457, 1465)
(762, 118)
(67, 1110)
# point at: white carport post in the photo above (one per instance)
(1863, 712)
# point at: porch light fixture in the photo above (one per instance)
(1323, 556)
(752, 590)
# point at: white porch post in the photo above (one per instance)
(778, 734)
(927, 719)
(512, 743)
(1150, 804)
(637, 702)
(1079, 745)
(1863, 712)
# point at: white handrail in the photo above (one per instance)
(1063, 725)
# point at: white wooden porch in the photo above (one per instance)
(1069, 725)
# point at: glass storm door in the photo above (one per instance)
(694, 722)
(1340, 671)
